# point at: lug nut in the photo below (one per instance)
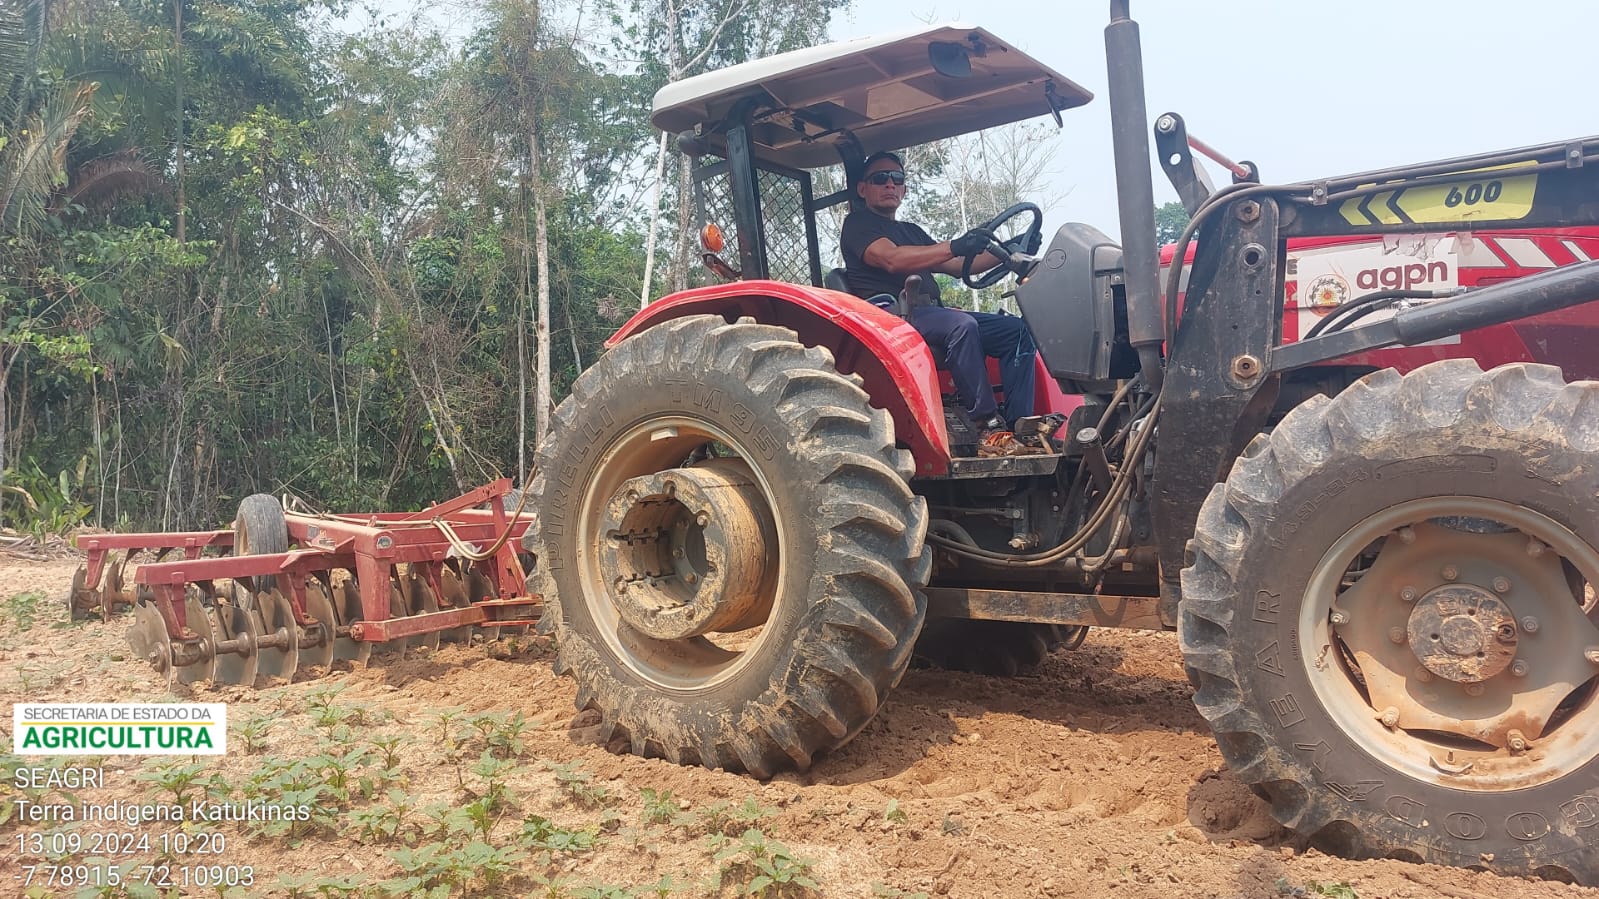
(1407, 535)
(1516, 740)
(1501, 585)
(1518, 668)
(1529, 624)
(1340, 618)
(1396, 634)
(1389, 717)
(1450, 572)
(1408, 594)
(1474, 689)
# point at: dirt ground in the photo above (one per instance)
(1092, 777)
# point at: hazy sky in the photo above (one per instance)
(1304, 89)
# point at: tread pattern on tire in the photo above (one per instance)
(261, 516)
(1523, 399)
(854, 638)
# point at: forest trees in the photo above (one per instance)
(252, 245)
(1170, 220)
(674, 39)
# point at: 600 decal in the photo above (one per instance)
(1475, 192)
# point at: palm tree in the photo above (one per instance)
(40, 119)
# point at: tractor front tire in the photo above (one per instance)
(1389, 609)
(836, 578)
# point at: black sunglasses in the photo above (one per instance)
(881, 178)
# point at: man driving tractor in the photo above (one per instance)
(880, 251)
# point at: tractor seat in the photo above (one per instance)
(835, 279)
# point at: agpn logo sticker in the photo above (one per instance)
(69, 728)
(1326, 293)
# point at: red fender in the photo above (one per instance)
(879, 346)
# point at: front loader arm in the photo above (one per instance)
(1227, 355)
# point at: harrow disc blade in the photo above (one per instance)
(420, 601)
(397, 609)
(479, 588)
(112, 584)
(148, 637)
(319, 606)
(455, 597)
(347, 607)
(242, 597)
(81, 601)
(233, 623)
(196, 619)
(277, 625)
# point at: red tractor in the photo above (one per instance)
(751, 512)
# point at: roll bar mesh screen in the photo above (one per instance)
(791, 250)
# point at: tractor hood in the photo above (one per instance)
(889, 92)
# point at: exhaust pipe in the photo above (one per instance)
(1135, 191)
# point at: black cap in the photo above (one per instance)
(878, 156)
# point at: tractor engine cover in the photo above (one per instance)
(1069, 302)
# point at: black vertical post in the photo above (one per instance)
(745, 181)
(813, 247)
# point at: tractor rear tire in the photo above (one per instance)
(845, 558)
(998, 648)
(1426, 498)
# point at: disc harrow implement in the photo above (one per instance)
(285, 592)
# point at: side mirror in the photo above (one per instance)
(692, 145)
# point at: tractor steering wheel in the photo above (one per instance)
(1027, 242)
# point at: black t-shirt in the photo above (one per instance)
(861, 229)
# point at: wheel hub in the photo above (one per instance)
(685, 551)
(1465, 632)
(1462, 633)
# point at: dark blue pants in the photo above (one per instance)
(964, 339)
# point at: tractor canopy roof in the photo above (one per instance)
(887, 92)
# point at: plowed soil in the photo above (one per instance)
(1093, 776)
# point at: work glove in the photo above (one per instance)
(1021, 244)
(971, 243)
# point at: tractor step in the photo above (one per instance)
(1002, 466)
